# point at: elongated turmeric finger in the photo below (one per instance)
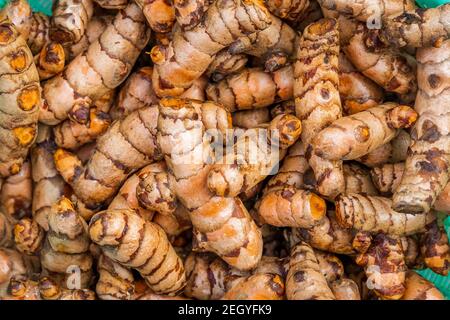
(418, 288)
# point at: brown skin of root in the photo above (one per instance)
(155, 258)
(16, 193)
(252, 88)
(23, 289)
(304, 280)
(418, 288)
(6, 230)
(225, 64)
(289, 10)
(51, 60)
(19, 82)
(50, 290)
(189, 13)
(345, 289)
(358, 180)
(69, 20)
(362, 133)
(330, 266)
(115, 281)
(374, 214)
(290, 207)
(137, 92)
(250, 119)
(385, 267)
(20, 14)
(160, 14)
(435, 250)
(171, 77)
(229, 180)
(112, 4)
(28, 236)
(426, 168)
(264, 286)
(38, 37)
(420, 28)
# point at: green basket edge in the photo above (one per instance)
(44, 6)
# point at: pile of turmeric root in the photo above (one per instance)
(111, 187)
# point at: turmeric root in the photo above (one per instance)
(304, 279)
(16, 193)
(385, 267)
(345, 289)
(127, 196)
(191, 51)
(227, 179)
(418, 288)
(289, 10)
(435, 249)
(250, 119)
(362, 132)
(67, 245)
(22, 289)
(357, 92)
(28, 236)
(6, 230)
(426, 169)
(326, 235)
(115, 282)
(127, 145)
(374, 214)
(209, 277)
(358, 180)
(160, 14)
(21, 99)
(50, 290)
(285, 107)
(262, 286)
(317, 101)
(70, 19)
(112, 4)
(252, 88)
(330, 266)
(189, 13)
(418, 28)
(98, 70)
(95, 27)
(225, 64)
(174, 224)
(19, 13)
(49, 186)
(50, 61)
(366, 9)
(136, 93)
(382, 64)
(14, 264)
(221, 225)
(143, 247)
(38, 37)
(71, 135)
(274, 45)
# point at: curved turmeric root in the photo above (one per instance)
(20, 94)
(252, 88)
(345, 289)
(317, 101)
(191, 51)
(435, 249)
(374, 214)
(326, 235)
(70, 19)
(358, 180)
(38, 37)
(385, 267)
(50, 290)
(50, 61)
(418, 28)
(225, 64)
(358, 93)
(289, 10)
(189, 13)
(95, 72)
(228, 179)
(28, 236)
(115, 282)
(16, 193)
(127, 145)
(160, 14)
(143, 246)
(67, 245)
(382, 64)
(136, 93)
(304, 279)
(19, 13)
(262, 286)
(418, 288)
(426, 169)
(362, 132)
